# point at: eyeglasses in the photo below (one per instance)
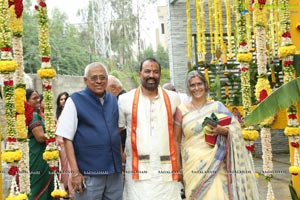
(97, 77)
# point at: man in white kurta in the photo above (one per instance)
(152, 142)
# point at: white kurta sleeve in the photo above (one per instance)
(67, 122)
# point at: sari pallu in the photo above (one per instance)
(220, 172)
(41, 181)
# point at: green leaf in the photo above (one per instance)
(283, 97)
(293, 193)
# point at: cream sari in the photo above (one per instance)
(222, 172)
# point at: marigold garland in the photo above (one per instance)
(262, 91)
(47, 73)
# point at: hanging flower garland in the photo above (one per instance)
(16, 24)
(188, 34)
(286, 52)
(229, 29)
(263, 90)
(244, 57)
(12, 154)
(47, 73)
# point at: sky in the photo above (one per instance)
(70, 7)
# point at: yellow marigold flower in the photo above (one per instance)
(58, 193)
(50, 155)
(250, 134)
(21, 127)
(19, 197)
(46, 73)
(11, 156)
(15, 23)
(257, 175)
(286, 51)
(294, 169)
(268, 121)
(262, 84)
(8, 66)
(20, 98)
(291, 130)
(244, 57)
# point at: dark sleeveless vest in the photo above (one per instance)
(97, 140)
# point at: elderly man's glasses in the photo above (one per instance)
(97, 77)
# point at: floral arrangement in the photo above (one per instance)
(263, 89)
(47, 73)
(245, 57)
(286, 52)
(188, 33)
(200, 31)
(13, 153)
(16, 25)
(250, 135)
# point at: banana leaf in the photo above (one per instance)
(283, 97)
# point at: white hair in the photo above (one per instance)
(94, 65)
(113, 79)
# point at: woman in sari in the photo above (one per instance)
(211, 171)
(41, 181)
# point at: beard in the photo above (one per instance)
(150, 86)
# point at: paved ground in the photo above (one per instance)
(280, 181)
(281, 178)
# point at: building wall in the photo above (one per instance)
(177, 42)
(61, 83)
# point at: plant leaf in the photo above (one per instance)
(283, 97)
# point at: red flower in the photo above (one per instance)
(28, 113)
(50, 140)
(45, 59)
(262, 2)
(244, 43)
(9, 83)
(47, 87)
(11, 139)
(295, 144)
(292, 116)
(43, 4)
(19, 8)
(294, 174)
(6, 49)
(287, 63)
(243, 69)
(286, 35)
(250, 148)
(36, 7)
(53, 168)
(13, 170)
(262, 95)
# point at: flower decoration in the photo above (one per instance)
(47, 73)
(17, 197)
(11, 156)
(263, 89)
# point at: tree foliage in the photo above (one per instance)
(73, 45)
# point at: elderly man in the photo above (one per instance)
(151, 163)
(89, 126)
(115, 87)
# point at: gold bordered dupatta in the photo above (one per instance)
(135, 156)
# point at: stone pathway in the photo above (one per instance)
(280, 181)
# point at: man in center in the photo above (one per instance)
(151, 166)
